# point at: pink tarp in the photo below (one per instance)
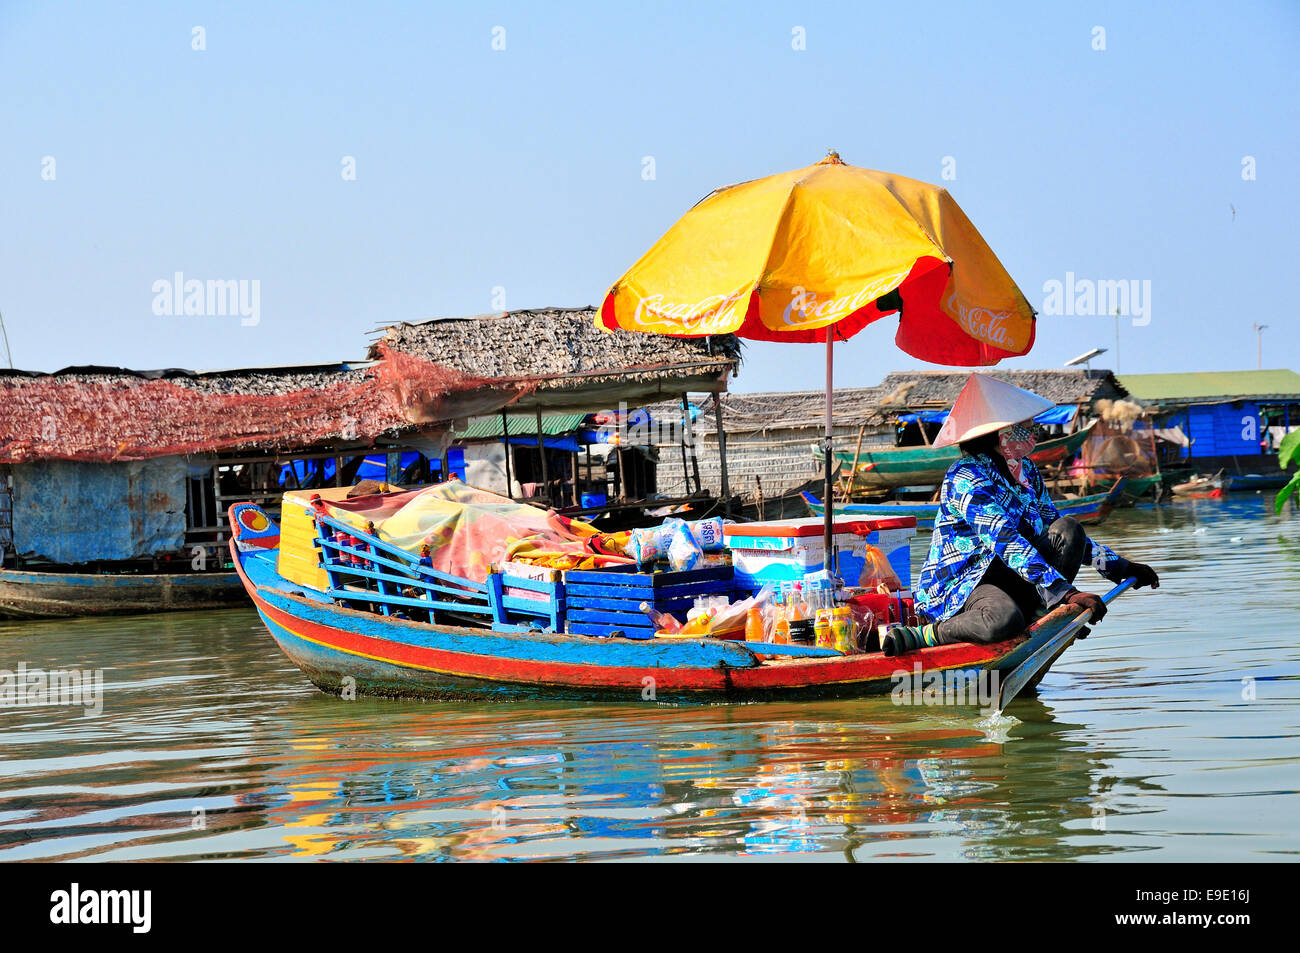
(470, 530)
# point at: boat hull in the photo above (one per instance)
(341, 657)
(28, 594)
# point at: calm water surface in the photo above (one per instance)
(1170, 734)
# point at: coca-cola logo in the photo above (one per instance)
(711, 315)
(808, 307)
(983, 324)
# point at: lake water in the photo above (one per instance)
(1169, 734)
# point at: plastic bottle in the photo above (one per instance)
(844, 632)
(662, 621)
(781, 627)
(754, 625)
(823, 636)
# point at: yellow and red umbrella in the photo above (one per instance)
(816, 255)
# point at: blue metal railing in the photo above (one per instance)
(361, 567)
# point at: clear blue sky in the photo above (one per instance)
(522, 168)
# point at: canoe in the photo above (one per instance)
(345, 650)
(36, 594)
(890, 467)
(1246, 482)
(1089, 510)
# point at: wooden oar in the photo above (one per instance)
(1015, 680)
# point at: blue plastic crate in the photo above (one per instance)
(601, 600)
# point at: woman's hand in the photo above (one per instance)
(1088, 600)
(1144, 574)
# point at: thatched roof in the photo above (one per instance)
(936, 390)
(564, 358)
(791, 410)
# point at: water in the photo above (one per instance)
(1170, 734)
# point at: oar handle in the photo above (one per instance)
(1109, 597)
(1119, 590)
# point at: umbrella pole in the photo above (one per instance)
(828, 497)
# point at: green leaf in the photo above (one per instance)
(1280, 500)
(1289, 449)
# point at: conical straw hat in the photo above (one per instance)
(987, 404)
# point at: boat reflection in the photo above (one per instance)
(861, 780)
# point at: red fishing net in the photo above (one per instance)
(117, 416)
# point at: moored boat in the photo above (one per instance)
(1203, 487)
(1089, 510)
(342, 647)
(40, 593)
(883, 468)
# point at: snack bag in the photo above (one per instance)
(683, 551)
(644, 546)
(708, 534)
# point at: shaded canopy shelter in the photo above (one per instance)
(555, 360)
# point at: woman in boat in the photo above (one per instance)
(1000, 554)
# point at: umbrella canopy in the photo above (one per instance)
(819, 253)
(826, 250)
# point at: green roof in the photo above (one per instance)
(1212, 385)
(483, 428)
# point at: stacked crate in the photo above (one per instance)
(603, 601)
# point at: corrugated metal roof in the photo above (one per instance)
(1212, 385)
(553, 425)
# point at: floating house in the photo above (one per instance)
(114, 483)
(1232, 420)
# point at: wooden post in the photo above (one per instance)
(622, 475)
(688, 435)
(725, 487)
(541, 449)
(686, 474)
(853, 474)
(758, 496)
(505, 439)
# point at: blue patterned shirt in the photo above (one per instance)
(979, 518)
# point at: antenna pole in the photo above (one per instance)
(1259, 345)
(5, 333)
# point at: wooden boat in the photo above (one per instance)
(33, 594)
(1135, 488)
(1200, 487)
(890, 467)
(343, 649)
(1247, 482)
(1089, 510)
